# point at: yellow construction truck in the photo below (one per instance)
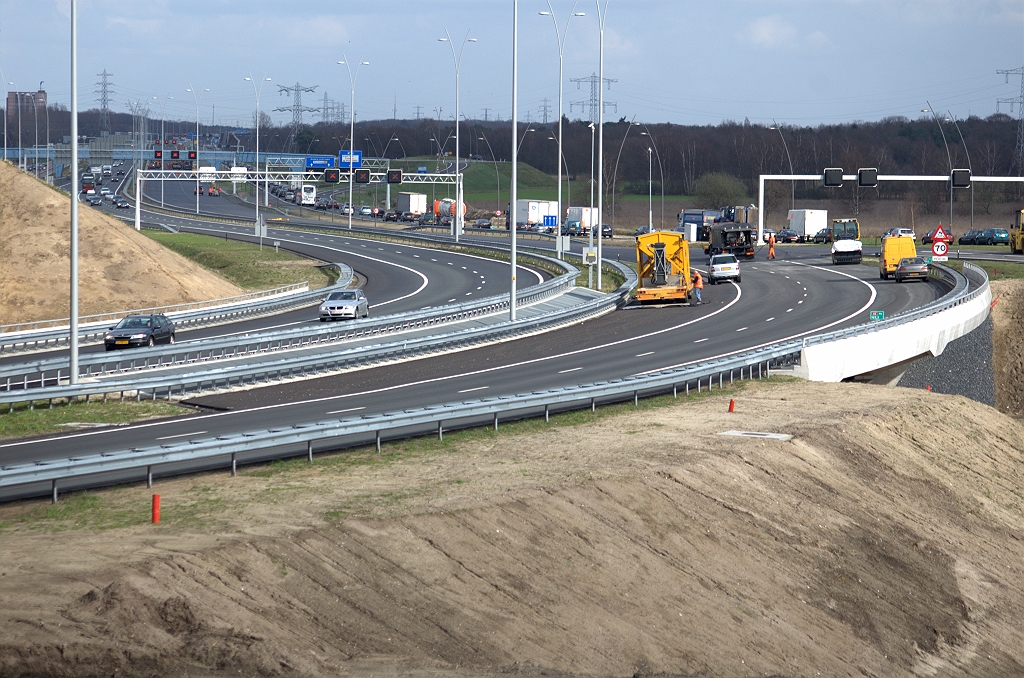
(663, 263)
(1017, 233)
(894, 249)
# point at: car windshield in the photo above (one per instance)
(134, 323)
(724, 259)
(342, 296)
(912, 261)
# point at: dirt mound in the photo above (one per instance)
(119, 269)
(1007, 358)
(885, 538)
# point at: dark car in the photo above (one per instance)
(606, 231)
(140, 330)
(993, 236)
(572, 228)
(482, 223)
(122, 204)
(970, 237)
(390, 216)
(823, 236)
(95, 200)
(408, 216)
(929, 237)
(911, 268)
(643, 230)
(787, 235)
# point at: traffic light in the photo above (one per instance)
(394, 176)
(331, 176)
(175, 155)
(833, 177)
(191, 155)
(362, 176)
(961, 178)
(158, 154)
(867, 177)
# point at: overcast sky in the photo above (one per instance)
(802, 62)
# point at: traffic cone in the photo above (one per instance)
(928, 388)
(732, 405)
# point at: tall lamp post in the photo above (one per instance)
(457, 224)
(601, 16)
(590, 269)
(497, 177)
(35, 121)
(197, 100)
(73, 315)
(3, 81)
(514, 182)
(650, 188)
(969, 165)
(615, 173)
(949, 158)
(352, 75)
(560, 41)
(792, 182)
(257, 91)
(661, 171)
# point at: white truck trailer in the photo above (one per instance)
(807, 223)
(412, 202)
(532, 212)
(585, 215)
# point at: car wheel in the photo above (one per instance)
(170, 340)
(739, 279)
(152, 342)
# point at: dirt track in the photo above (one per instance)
(884, 539)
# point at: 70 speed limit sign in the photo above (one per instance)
(939, 250)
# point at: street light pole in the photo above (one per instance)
(351, 131)
(35, 119)
(661, 171)
(196, 166)
(615, 173)
(590, 269)
(560, 41)
(792, 183)
(650, 189)
(601, 16)
(969, 165)
(514, 184)
(497, 177)
(73, 314)
(257, 92)
(3, 80)
(949, 158)
(457, 224)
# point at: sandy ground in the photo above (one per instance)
(119, 269)
(886, 538)
(1007, 357)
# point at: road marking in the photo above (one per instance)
(463, 268)
(787, 277)
(416, 255)
(449, 301)
(351, 409)
(641, 355)
(805, 289)
(479, 288)
(800, 302)
(569, 370)
(470, 390)
(770, 319)
(741, 329)
(700, 340)
(183, 435)
(433, 259)
(789, 310)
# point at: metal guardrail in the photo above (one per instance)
(93, 332)
(288, 441)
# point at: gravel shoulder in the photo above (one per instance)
(635, 542)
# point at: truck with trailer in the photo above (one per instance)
(107, 170)
(663, 265)
(807, 223)
(532, 212)
(847, 247)
(586, 216)
(412, 202)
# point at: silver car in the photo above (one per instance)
(723, 267)
(346, 304)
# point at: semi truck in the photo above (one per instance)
(412, 202)
(807, 223)
(663, 263)
(586, 216)
(846, 245)
(532, 212)
(697, 223)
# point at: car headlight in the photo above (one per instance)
(109, 336)
(137, 336)
(323, 308)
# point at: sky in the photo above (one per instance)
(799, 62)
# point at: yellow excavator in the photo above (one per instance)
(663, 262)
(1017, 233)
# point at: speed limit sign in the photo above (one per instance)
(939, 250)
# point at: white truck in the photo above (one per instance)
(585, 215)
(532, 212)
(807, 223)
(412, 202)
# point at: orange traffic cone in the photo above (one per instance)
(732, 405)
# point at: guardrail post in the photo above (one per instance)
(234, 465)
(149, 477)
(675, 390)
(719, 380)
(730, 377)
(309, 450)
(53, 487)
(759, 370)
(768, 368)
(547, 418)
(636, 400)
(440, 431)
(377, 436)
(698, 384)
(593, 405)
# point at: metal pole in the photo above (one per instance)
(661, 171)
(35, 120)
(457, 225)
(590, 268)
(3, 80)
(650, 189)
(615, 172)
(949, 159)
(600, 133)
(73, 337)
(138, 200)
(969, 165)
(352, 130)
(514, 186)
(792, 200)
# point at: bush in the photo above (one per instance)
(716, 189)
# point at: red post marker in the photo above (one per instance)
(732, 405)
(156, 509)
(928, 388)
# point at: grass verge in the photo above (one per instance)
(41, 420)
(997, 270)
(244, 263)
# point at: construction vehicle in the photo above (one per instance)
(1017, 233)
(663, 262)
(732, 238)
(894, 250)
(846, 245)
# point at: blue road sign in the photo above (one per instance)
(551, 220)
(241, 131)
(356, 159)
(319, 161)
(421, 169)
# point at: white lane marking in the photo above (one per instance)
(183, 435)
(479, 288)
(800, 302)
(416, 255)
(449, 301)
(470, 390)
(701, 340)
(770, 319)
(789, 310)
(386, 389)
(805, 289)
(572, 369)
(477, 272)
(350, 409)
(234, 334)
(800, 283)
(463, 268)
(468, 293)
(805, 294)
(787, 277)
(741, 329)
(450, 263)
(641, 355)
(433, 259)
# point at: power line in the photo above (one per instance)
(104, 91)
(297, 109)
(419, 109)
(595, 90)
(1018, 153)
(545, 109)
(486, 113)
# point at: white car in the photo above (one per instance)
(366, 211)
(723, 267)
(906, 233)
(345, 304)
(104, 191)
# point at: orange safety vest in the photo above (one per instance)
(698, 280)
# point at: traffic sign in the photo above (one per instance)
(356, 158)
(940, 234)
(939, 248)
(421, 169)
(319, 161)
(877, 315)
